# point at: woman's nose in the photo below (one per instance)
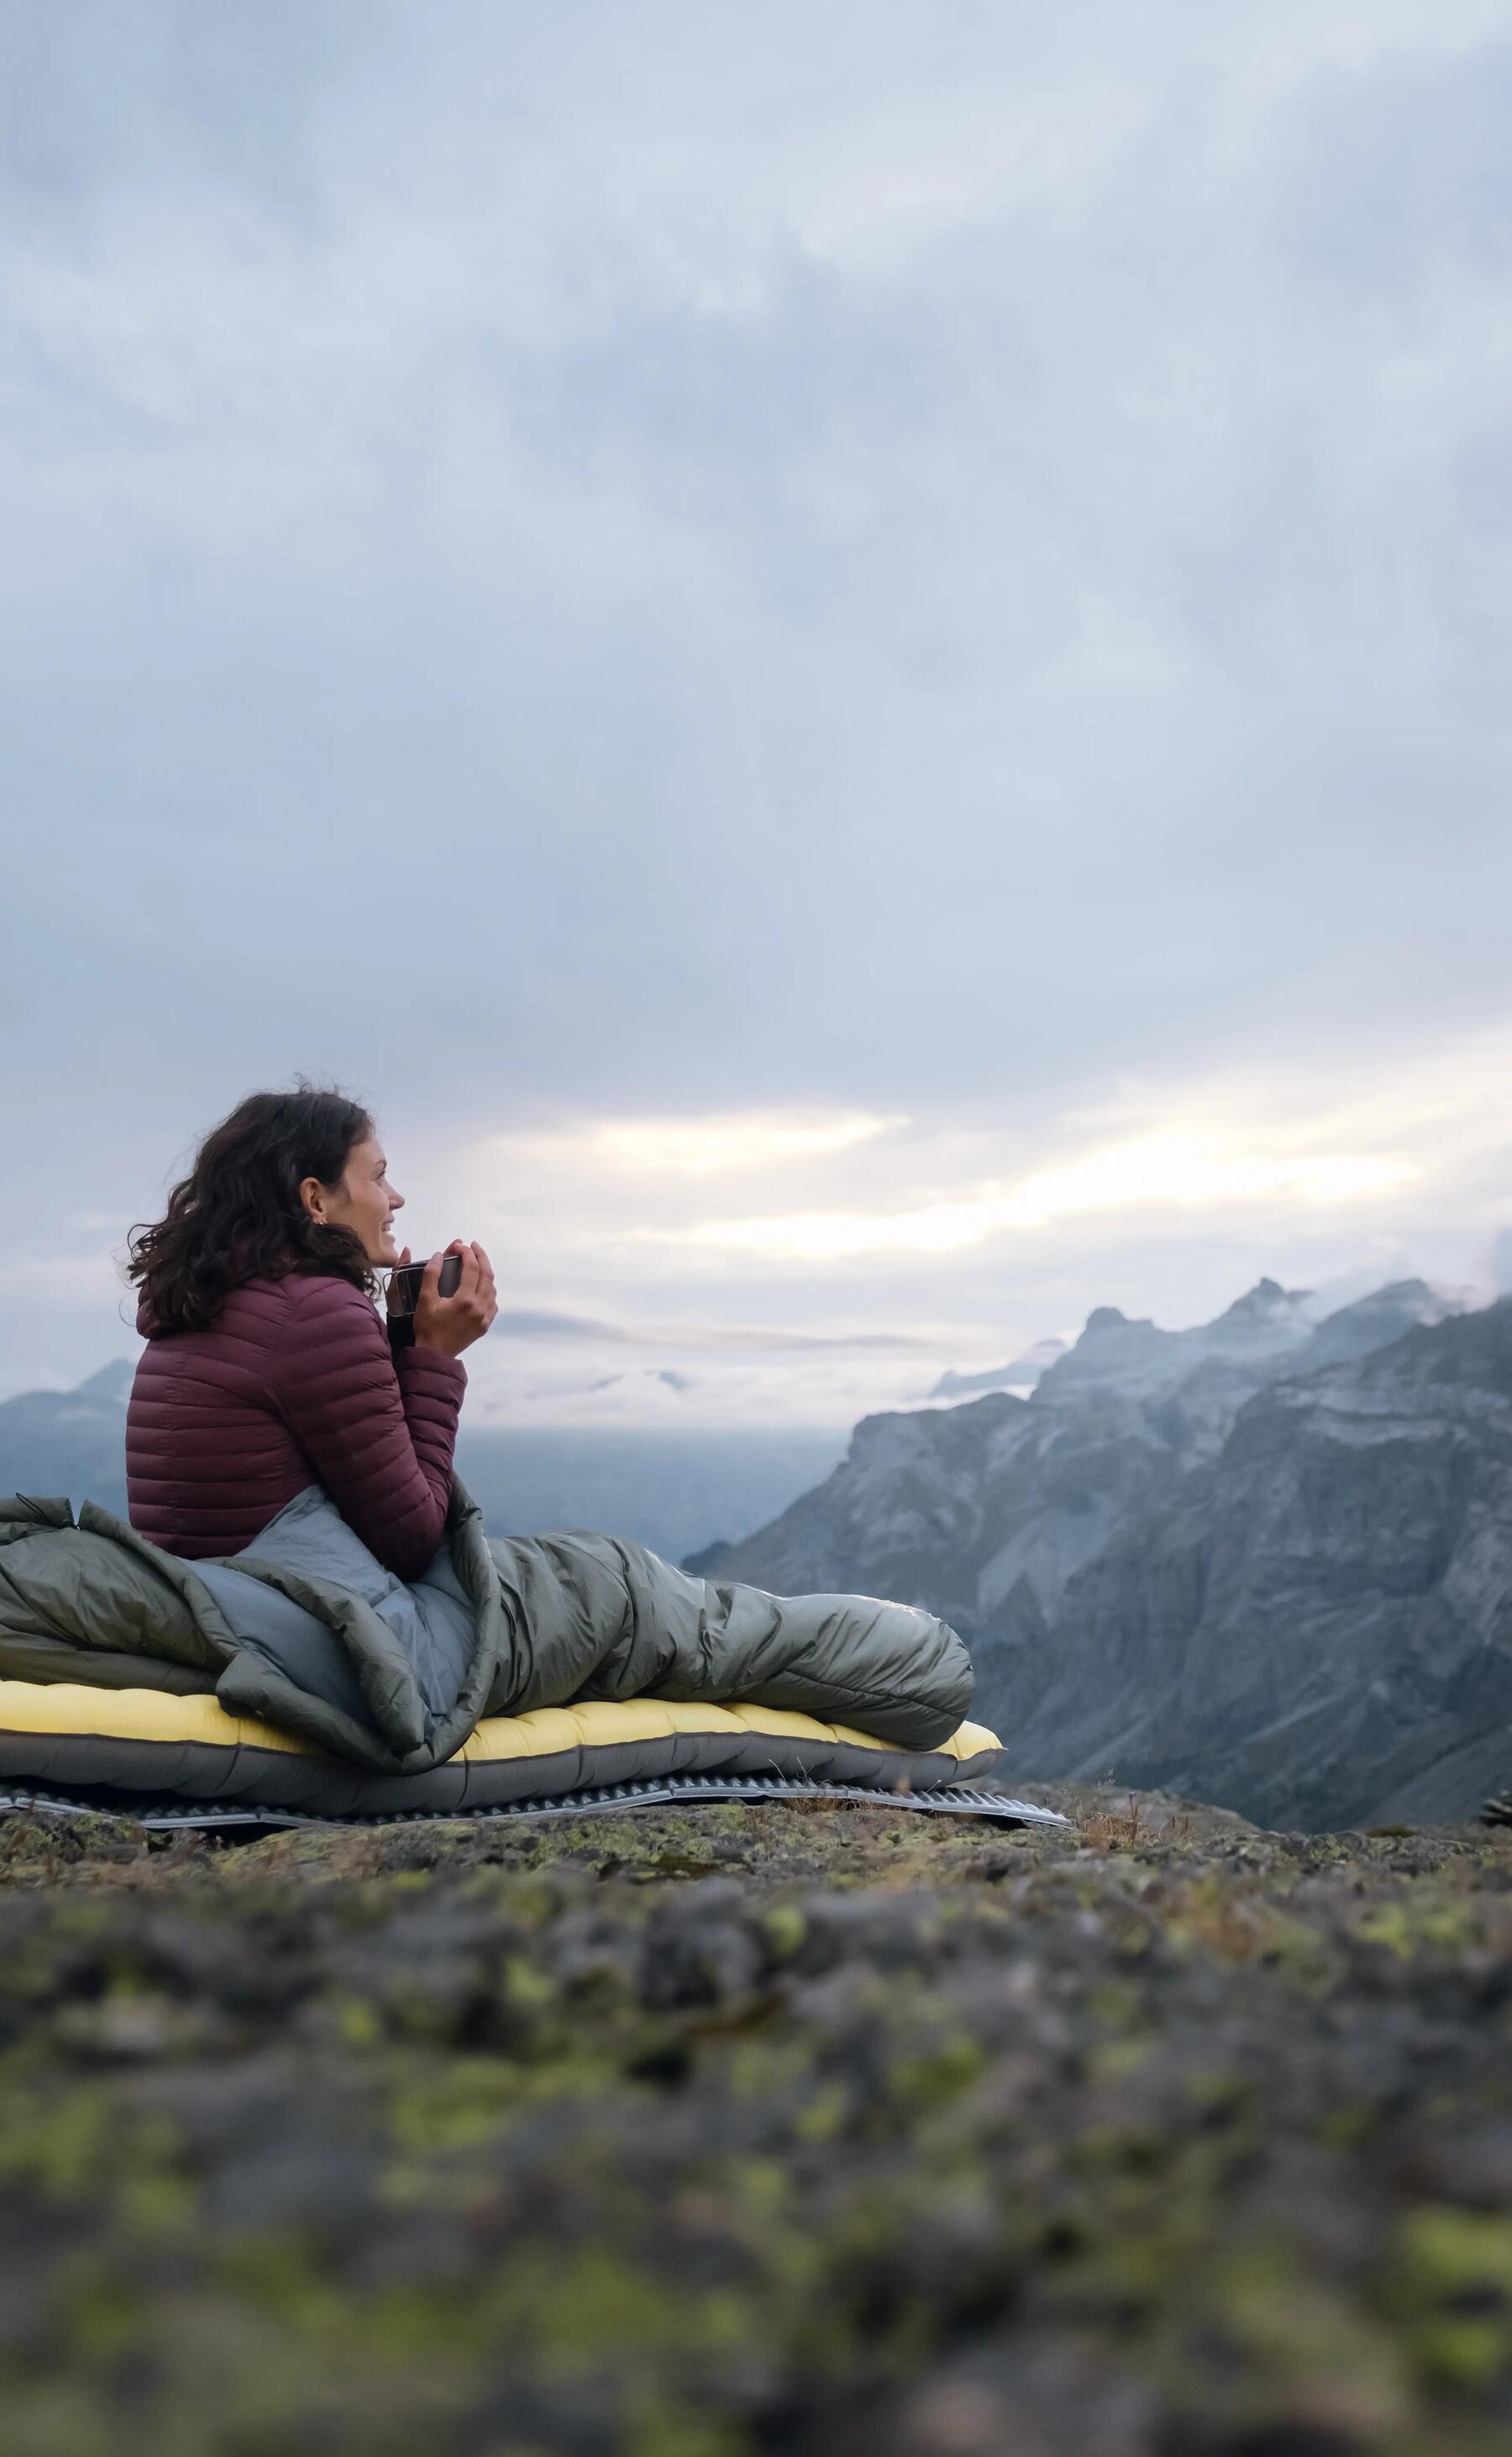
(396, 1202)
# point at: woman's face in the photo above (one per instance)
(363, 1201)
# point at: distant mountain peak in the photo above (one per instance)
(1374, 1321)
(1106, 1318)
(1265, 1298)
(1406, 1292)
(113, 1381)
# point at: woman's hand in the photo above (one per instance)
(451, 1323)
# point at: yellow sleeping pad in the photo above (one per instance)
(151, 1742)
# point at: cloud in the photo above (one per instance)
(647, 592)
(1162, 1172)
(526, 1324)
(732, 1338)
(696, 1147)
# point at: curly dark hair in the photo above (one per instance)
(237, 1215)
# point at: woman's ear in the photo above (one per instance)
(312, 1194)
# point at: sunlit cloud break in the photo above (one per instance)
(1159, 1171)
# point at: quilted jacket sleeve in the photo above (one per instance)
(378, 1437)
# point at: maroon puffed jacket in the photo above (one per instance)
(294, 1386)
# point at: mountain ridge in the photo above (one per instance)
(1232, 1561)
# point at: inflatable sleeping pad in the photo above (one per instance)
(299, 1674)
(141, 1742)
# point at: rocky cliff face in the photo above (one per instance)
(1320, 1619)
(1266, 1562)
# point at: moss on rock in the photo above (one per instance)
(713, 2131)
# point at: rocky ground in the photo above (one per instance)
(819, 2130)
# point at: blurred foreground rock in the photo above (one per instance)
(745, 2129)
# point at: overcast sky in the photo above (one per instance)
(854, 659)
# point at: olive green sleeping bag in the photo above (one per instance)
(301, 1673)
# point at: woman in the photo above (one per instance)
(267, 1368)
